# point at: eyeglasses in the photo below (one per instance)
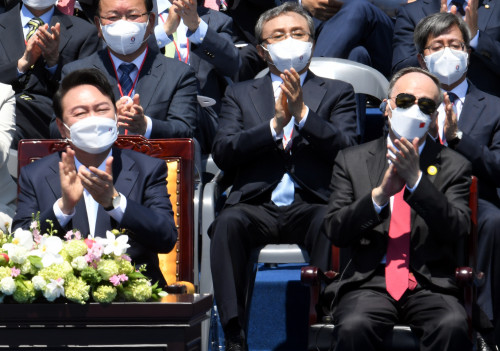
(131, 17)
(280, 36)
(426, 105)
(454, 45)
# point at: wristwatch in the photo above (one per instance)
(115, 203)
(454, 142)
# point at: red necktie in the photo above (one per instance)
(66, 6)
(398, 248)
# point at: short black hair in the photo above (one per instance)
(148, 3)
(86, 76)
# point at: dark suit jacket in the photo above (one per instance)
(216, 57)
(439, 218)
(148, 217)
(480, 123)
(167, 90)
(484, 70)
(78, 39)
(244, 145)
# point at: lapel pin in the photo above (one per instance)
(486, 6)
(432, 170)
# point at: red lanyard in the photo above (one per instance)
(177, 48)
(136, 77)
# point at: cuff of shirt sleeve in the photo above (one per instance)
(117, 213)
(149, 127)
(411, 190)
(303, 120)
(62, 218)
(378, 208)
(52, 69)
(474, 41)
(273, 132)
(162, 38)
(200, 33)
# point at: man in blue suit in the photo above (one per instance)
(156, 96)
(93, 187)
(483, 19)
(277, 138)
(36, 41)
(471, 126)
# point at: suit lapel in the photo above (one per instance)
(430, 7)
(472, 109)
(150, 77)
(484, 13)
(376, 162)
(104, 64)
(313, 91)
(12, 34)
(66, 23)
(262, 97)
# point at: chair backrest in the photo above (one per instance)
(364, 79)
(178, 265)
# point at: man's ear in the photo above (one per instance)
(421, 61)
(261, 52)
(97, 23)
(62, 129)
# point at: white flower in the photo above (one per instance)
(21, 243)
(54, 289)
(7, 285)
(48, 250)
(117, 245)
(79, 263)
(39, 283)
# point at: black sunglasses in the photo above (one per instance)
(426, 105)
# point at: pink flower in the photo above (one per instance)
(14, 272)
(118, 279)
(34, 225)
(78, 235)
(89, 243)
(126, 258)
(36, 236)
(68, 235)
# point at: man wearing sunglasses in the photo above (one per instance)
(400, 203)
(469, 123)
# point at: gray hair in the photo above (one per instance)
(407, 70)
(278, 11)
(437, 24)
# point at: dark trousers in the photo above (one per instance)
(364, 316)
(241, 228)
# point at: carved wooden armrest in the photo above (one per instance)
(466, 276)
(312, 276)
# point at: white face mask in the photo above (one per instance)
(39, 4)
(124, 37)
(93, 134)
(409, 123)
(290, 53)
(448, 65)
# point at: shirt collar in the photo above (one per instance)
(460, 90)
(390, 143)
(26, 16)
(275, 78)
(137, 62)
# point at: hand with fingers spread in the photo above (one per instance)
(444, 6)
(392, 183)
(99, 183)
(471, 17)
(131, 115)
(406, 160)
(71, 186)
(293, 92)
(31, 54)
(173, 20)
(49, 43)
(450, 123)
(187, 9)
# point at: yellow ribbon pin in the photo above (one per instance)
(432, 170)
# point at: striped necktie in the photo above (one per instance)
(33, 24)
(125, 81)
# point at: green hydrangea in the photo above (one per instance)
(107, 268)
(25, 292)
(90, 275)
(65, 255)
(139, 290)
(4, 272)
(75, 248)
(104, 294)
(76, 290)
(61, 270)
(125, 267)
(28, 268)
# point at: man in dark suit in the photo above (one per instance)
(483, 19)
(470, 126)
(400, 207)
(156, 96)
(93, 187)
(33, 66)
(278, 137)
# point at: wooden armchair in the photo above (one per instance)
(178, 265)
(401, 338)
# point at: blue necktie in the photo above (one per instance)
(125, 81)
(453, 97)
(284, 193)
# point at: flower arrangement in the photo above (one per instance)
(38, 267)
